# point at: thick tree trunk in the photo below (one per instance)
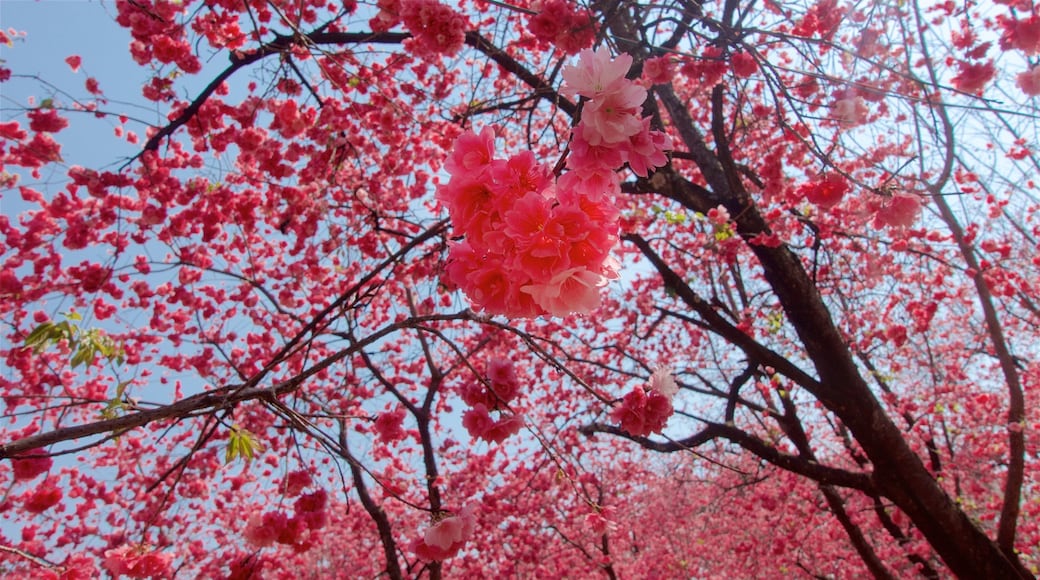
(898, 472)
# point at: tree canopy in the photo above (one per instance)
(479, 288)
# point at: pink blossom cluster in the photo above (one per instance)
(309, 515)
(501, 387)
(446, 537)
(137, 562)
(389, 426)
(1029, 81)
(644, 411)
(31, 465)
(43, 497)
(529, 247)
(533, 244)
(826, 191)
(561, 24)
(436, 28)
(612, 131)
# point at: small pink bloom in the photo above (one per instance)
(46, 496)
(446, 537)
(645, 150)
(573, 291)
(595, 73)
(502, 377)
(974, 77)
(29, 467)
(658, 70)
(642, 413)
(850, 110)
(477, 420)
(74, 61)
(296, 482)
(614, 116)
(472, 153)
(661, 381)
(389, 425)
(744, 64)
(827, 192)
(1029, 81)
(898, 211)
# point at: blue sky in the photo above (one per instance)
(55, 30)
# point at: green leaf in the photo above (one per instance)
(40, 336)
(241, 444)
(115, 404)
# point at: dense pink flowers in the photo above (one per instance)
(562, 25)
(973, 77)
(447, 536)
(436, 28)
(297, 531)
(43, 498)
(645, 411)
(1029, 81)
(137, 562)
(896, 211)
(658, 70)
(488, 417)
(826, 192)
(521, 233)
(533, 244)
(26, 468)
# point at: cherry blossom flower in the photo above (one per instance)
(437, 29)
(613, 116)
(973, 77)
(744, 64)
(850, 110)
(43, 498)
(595, 73)
(643, 412)
(662, 381)
(472, 153)
(389, 425)
(26, 468)
(1029, 81)
(137, 562)
(897, 211)
(658, 70)
(561, 25)
(446, 537)
(826, 192)
(572, 291)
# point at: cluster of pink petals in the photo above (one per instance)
(445, 538)
(533, 244)
(612, 131)
(137, 562)
(43, 497)
(973, 77)
(561, 24)
(896, 211)
(825, 192)
(296, 531)
(390, 425)
(658, 70)
(436, 28)
(501, 387)
(645, 411)
(1029, 81)
(525, 239)
(26, 468)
